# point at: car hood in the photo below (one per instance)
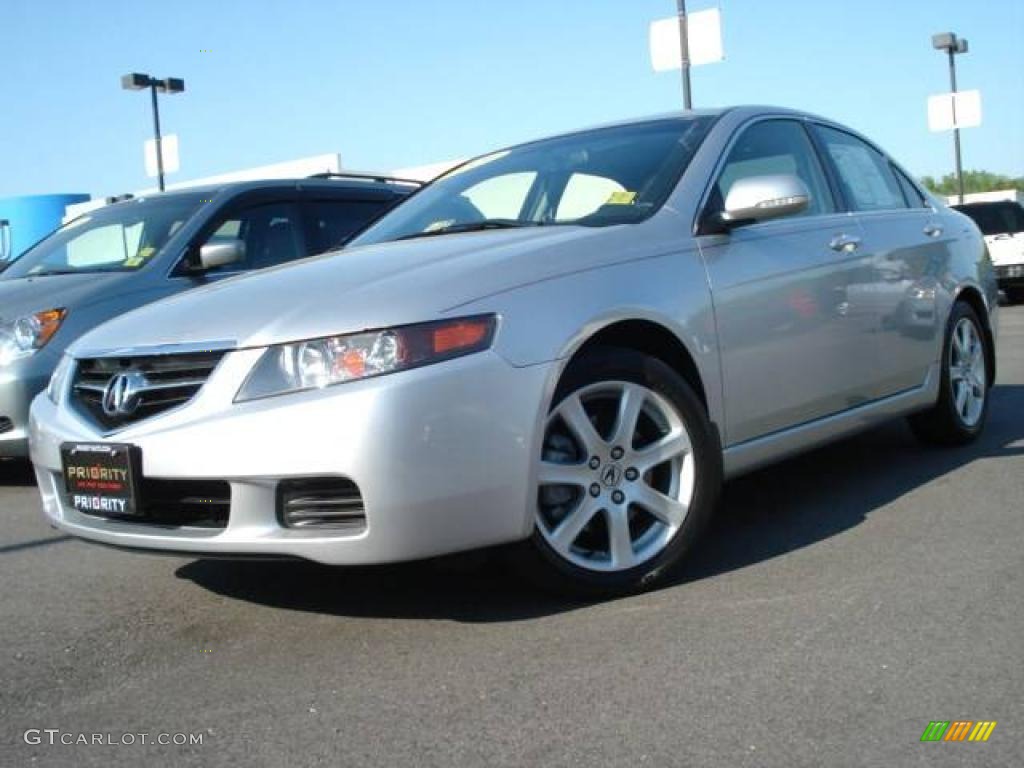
(365, 287)
(25, 295)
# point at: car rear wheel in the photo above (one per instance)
(960, 413)
(628, 475)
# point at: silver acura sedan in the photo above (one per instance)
(567, 344)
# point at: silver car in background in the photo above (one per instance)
(567, 344)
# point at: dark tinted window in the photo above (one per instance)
(330, 223)
(770, 148)
(996, 218)
(910, 193)
(864, 173)
(270, 233)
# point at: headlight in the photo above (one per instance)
(24, 336)
(59, 379)
(332, 360)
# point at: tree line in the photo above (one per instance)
(974, 181)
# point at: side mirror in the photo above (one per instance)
(759, 198)
(213, 255)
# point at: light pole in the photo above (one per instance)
(137, 82)
(684, 51)
(952, 45)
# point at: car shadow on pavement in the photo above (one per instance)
(16, 472)
(762, 515)
(822, 493)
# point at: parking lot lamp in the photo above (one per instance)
(952, 45)
(137, 82)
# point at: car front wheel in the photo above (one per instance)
(628, 475)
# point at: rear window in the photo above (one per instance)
(996, 218)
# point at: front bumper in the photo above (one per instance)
(1010, 275)
(442, 457)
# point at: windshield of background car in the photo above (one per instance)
(118, 238)
(997, 218)
(594, 178)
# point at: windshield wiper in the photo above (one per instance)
(474, 226)
(87, 271)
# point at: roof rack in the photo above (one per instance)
(366, 177)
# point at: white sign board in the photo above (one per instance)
(172, 163)
(703, 38)
(947, 111)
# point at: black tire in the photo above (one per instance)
(942, 424)
(1014, 295)
(543, 565)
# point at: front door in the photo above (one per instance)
(793, 347)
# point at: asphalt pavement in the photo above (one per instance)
(842, 601)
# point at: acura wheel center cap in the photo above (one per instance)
(611, 475)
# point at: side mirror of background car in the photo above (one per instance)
(214, 255)
(759, 198)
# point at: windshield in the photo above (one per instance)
(996, 218)
(594, 178)
(118, 238)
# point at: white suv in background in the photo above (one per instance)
(1002, 224)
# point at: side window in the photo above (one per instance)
(330, 223)
(775, 147)
(584, 194)
(910, 193)
(270, 234)
(865, 175)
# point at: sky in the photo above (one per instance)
(395, 83)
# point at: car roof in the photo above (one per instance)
(743, 111)
(332, 182)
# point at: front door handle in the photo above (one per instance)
(844, 243)
(933, 230)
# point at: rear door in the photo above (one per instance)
(331, 220)
(908, 250)
(792, 351)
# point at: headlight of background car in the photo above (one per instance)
(59, 379)
(332, 360)
(26, 335)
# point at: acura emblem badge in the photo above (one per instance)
(121, 397)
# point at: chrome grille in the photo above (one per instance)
(148, 385)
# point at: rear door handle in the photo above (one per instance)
(933, 230)
(844, 243)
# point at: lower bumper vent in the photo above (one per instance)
(192, 503)
(6, 425)
(321, 503)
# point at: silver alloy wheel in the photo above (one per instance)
(617, 476)
(967, 375)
